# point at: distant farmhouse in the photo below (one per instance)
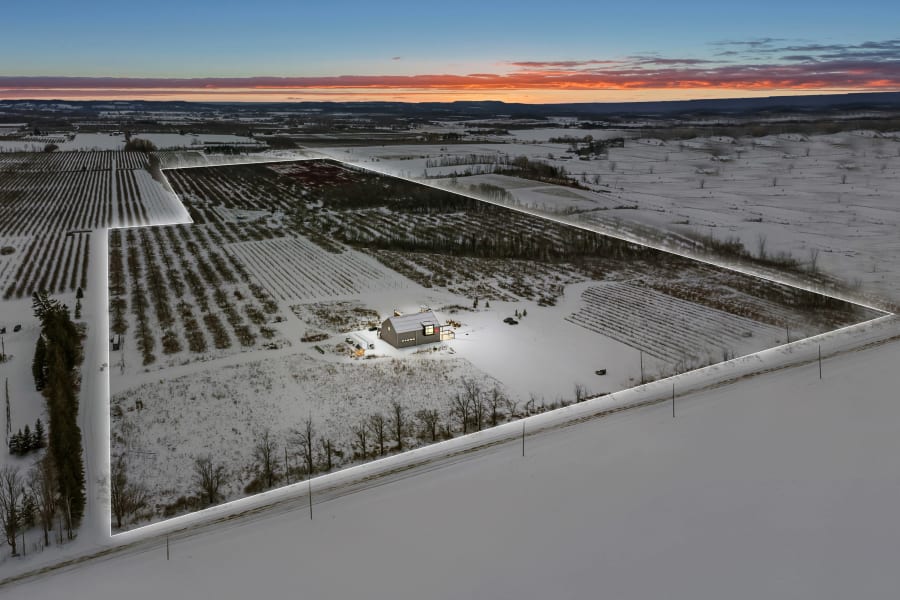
(412, 330)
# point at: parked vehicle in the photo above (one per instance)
(17, 328)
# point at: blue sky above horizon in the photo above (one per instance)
(530, 51)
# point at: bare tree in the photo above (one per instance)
(472, 392)
(494, 401)
(398, 417)
(761, 246)
(460, 407)
(209, 478)
(305, 438)
(327, 452)
(11, 492)
(126, 497)
(581, 392)
(430, 418)
(361, 432)
(378, 424)
(265, 453)
(42, 484)
(813, 260)
(511, 406)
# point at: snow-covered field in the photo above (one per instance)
(828, 201)
(778, 486)
(587, 333)
(219, 403)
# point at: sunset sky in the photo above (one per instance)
(525, 51)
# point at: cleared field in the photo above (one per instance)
(293, 268)
(666, 327)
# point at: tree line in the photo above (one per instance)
(56, 376)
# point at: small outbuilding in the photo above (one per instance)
(411, 330)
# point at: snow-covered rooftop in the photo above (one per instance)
(414, 321)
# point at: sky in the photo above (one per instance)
(524, 51)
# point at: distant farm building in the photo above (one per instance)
(411, 330)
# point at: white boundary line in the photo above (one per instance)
(698, 379)
(499, 432)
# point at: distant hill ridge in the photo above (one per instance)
(879, 101)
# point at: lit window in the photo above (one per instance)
(429, 330)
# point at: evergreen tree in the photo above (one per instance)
(78, 308)
(26, 440)
(38, 440)
(39, 365)
(62, 355)
(15, 444)
(43, 304)
(524, 312)
(79, 294)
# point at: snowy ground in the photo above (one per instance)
(496, 364)
(782, 485)
(185, 404)
(833, 196)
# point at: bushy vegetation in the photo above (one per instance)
(139, 145)
(524, 167)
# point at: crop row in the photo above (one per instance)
(71, 161)
(294, 268)
(185, 293)
(56, 263)
(668, 328)
(52, 205)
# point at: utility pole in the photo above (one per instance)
(8, 414)
(673, 400)
(642, 366)
(820, 361)
(309, 493)
(523, 437)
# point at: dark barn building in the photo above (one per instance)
(411, 330)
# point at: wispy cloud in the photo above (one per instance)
(754, 43)
(778, 66)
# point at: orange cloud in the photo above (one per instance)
(559, 79)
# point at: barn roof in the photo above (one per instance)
(413, 322)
